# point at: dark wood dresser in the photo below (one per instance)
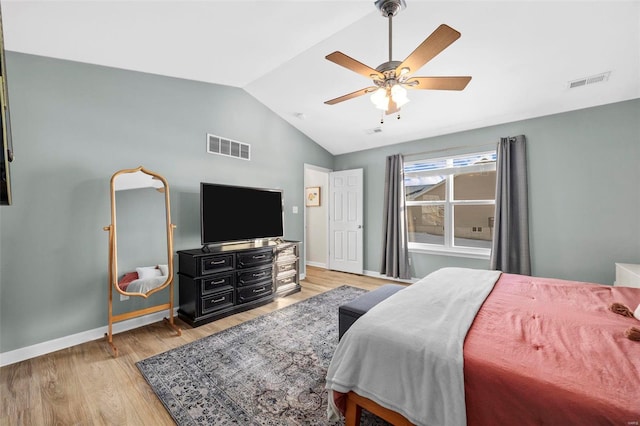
(231, 278)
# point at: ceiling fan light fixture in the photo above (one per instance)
(399, 95)
(391, 78)
(380, 99)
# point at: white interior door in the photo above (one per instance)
(345, 221)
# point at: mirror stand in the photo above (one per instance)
(138, 183)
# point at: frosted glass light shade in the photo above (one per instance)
(399, 95)
(380, 99)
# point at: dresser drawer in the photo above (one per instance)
(216, 283)
(254, 276)
(246, 294)
(254, 258)
(285, 266)
(217, 263)
(289, 251)
(286, 279)
(217, 301)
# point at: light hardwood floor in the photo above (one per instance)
(86, 385)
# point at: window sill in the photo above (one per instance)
(470, 253)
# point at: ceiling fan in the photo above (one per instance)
(391, 77)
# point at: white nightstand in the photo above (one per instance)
(627, 275)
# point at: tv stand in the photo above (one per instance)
(221, 280)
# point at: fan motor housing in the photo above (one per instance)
(390, 7)
(388, 66)
(388, 69)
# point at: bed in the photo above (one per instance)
(143, 279)
(480, 347)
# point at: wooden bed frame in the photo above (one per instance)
(355, 404)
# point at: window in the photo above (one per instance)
(451, 204)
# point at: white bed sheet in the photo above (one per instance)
(406, 352)
(144, 285)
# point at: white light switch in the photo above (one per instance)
(294, 209)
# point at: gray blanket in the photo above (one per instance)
(406, 352)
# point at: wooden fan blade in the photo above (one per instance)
(352, 95)
(353, 65)
(392, 109)
(439, 40)
(438, 83)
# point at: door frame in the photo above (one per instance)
(324, 205)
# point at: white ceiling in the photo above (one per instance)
(521, 55)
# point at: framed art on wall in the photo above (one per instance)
(312, 196)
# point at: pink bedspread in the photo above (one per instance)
(548, 351)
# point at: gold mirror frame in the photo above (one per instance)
(141, 179)
(113, 256)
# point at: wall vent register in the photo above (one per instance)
(598, 78)
(220, 145)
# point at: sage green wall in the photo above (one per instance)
(74, 125)
(584, 191)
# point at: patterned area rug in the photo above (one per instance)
(267, 371)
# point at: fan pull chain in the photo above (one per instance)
(382, 117)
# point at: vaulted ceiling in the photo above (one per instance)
(521, 55)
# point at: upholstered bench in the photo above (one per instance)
(350, 312)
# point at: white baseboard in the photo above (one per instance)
(384, 277)
(373, 274)
(44, 348)
(17, 355)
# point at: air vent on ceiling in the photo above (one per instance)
(224, 146)
(374, 130)
(598, 78)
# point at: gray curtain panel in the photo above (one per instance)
(395, 252)
(510, 246)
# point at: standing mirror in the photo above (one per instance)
(140, 242)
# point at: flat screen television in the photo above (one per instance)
(237, 213)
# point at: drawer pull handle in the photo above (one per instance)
(261, 274)
(259, 289)
(218, 262)
(217, 282)
(262, 256)
(218, 300)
